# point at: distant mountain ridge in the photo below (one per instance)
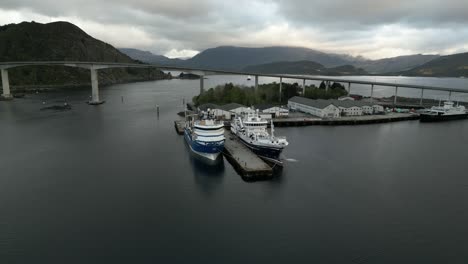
(238, 58)
(455, 65)
(303, 67)
(62, 41)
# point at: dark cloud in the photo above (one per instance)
(376, 28)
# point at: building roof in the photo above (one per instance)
(231, 106)
(267, 106)
(205, 107)
(319, 103)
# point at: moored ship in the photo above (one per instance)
(444, 113)
(205, 137)
(251, 129)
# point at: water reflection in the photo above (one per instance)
(208, 174)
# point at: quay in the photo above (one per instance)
(246, 163)
(358, 120)
(179, 127)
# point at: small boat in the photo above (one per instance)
(205, 137)
(249, 78)
(443, 113)
(252, 132)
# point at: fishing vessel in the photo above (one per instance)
(443, 113)
(205, 136)
(252, 131)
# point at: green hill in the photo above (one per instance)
(60, 41)
(303, 67)
(455, 65)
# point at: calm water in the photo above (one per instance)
(116, 184)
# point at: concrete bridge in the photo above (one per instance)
(95, 66)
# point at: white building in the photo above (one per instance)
(378, 109)
(237, 109)
(320, 108)
(216, 110)
(273, 111)
(350, 111)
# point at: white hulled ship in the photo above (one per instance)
(251, 129)
(442, 113)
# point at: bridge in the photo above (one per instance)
(95, 66)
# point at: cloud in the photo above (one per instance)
(374, 29)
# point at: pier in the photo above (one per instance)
(246, 163)
(179, 127)
(357, 120)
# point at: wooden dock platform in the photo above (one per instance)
(179, 127)
(246, 163)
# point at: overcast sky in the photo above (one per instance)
(181, 28)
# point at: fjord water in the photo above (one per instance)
(116, 184)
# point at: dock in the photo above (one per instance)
(179, 127)
(246, 163)
(343, 121)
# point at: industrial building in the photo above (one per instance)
(333, 108)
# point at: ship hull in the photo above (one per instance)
(208, 150)
(264, 151)
(440, 118)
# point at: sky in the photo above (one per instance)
(182, 28)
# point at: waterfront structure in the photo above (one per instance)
(273, 110)
(218, 112)
(333, 108)
(320, 108)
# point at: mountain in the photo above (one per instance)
(455, 65)
(303, 67)
(149, 57)
(61, 41)
(395, 64)
(237, 58)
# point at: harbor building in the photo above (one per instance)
(320, 108)
(333, 108)
(218, 111)
(273, 110)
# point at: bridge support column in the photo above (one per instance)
(372, 93)
(94, 88)
(396, 95)
(202, 84)
(450, 96)
(303, 87)
(422, 96)
(327, 86)
(256, 83)
(5, 84)
(281, 88)
(349, 88)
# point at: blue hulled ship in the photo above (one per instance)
(205, 137)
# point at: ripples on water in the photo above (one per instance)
(116, 184)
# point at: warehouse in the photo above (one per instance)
(320, 108)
